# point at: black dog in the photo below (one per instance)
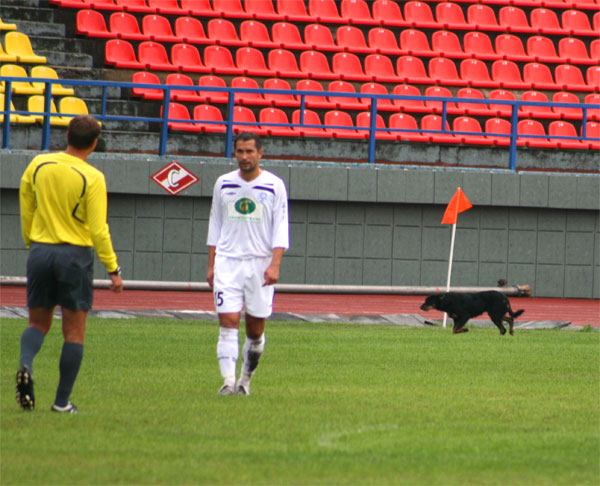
(462, 306)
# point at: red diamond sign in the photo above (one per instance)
(174, 178)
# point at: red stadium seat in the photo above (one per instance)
(564, 111)
(348, 66)
(506, 74)
(482, 17)
(538, 76)
(186, 57)
(125, 26)
(363, 119)
(262, 9)
(279, 99)
(211, 81)
(593, 99)
(384, 41)
(181, 95)
(535, 111)
(592, 130)
(595, 50)
(573, 51)
(166, 7)
(450, 15)
(404, 121)
(120, 53)
(205, 114)
(434, 122)
(596, 22)
(309, 118)
(380, 68)
(320, 37)
(324, 11)
(191, 30)
(144, 77)
(251, 61)
(545, 21)
(415, 106)
(495, 128)
(287, 35)
(560, 128)
(415, 42)
(154, 56)
(91, 23)
(276, 115)
(136, 6)
(244, 120)
(438, 106)
(419, 14)
(376, 89)
(593, 77)
(294, 10)
(158, 29)
(256, 34)
(447, 44)
(220, 61)
(475, 73)
(514, 19)
(472, 109)
(532, 134)
(479, 46)
(501, 95)
(283, 62)
(230, 9)
(576, 22)
(223, 31)
(336, 121)
(468, 124)
(357, 11)
(542, 49)
(387, 12)
(411, 69)
(255, 99)
(314, 64)
(443, 71)
(198, 8)
(177, 111)
(351, 39)
(344, 102)
(569, 77)
(313, 101)
(509, 46)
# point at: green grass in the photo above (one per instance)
(330, 404)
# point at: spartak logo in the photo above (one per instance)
(174, 178)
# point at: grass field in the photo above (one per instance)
(331, 404)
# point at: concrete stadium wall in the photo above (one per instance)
(352, 224)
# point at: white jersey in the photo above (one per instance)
(248, 219)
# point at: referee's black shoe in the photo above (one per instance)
(25, 396)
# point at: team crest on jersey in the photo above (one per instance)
(245, 209)
(245, 206)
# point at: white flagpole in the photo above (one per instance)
(450, 266)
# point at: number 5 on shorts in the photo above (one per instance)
(218, 299)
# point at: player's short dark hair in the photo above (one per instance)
(82, 131)
(246, 137)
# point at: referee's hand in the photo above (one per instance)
(117, 284)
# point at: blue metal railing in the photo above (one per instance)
(165, 119)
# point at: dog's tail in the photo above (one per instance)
(515, 314)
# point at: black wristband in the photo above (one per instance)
(116, 272)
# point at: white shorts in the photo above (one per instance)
(239, 283)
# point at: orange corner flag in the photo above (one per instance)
(458, 204)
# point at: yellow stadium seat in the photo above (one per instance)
(36, 104)
(14, 118)
(4, 57)
(48, 72)
(18, 44)
(4, 26)
(19, 87)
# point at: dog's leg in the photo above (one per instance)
(511, 323)
(497, 320)
(459, 323)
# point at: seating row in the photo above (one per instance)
(28, 87)
(329, 102)
(349, 38)
(348, 66)
(69, 106)
(339, 124)
(17, 48)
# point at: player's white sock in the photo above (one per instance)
(227, 354)
(251, 353)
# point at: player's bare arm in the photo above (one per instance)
(272, 271)
(210, 273)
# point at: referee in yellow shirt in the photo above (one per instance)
(63, 215)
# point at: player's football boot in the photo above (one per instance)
(242, 388)
(68, 408)
(227, 390)
(24, 395)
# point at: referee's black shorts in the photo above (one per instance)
(60, 275)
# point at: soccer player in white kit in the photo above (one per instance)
(247, 236)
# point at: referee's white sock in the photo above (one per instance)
(227, 354)
(251, 353)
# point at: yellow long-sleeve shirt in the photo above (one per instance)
(63, 200)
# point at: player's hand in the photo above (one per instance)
(271, 275)
(210, 277)
(117, 284)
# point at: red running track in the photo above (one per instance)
(580, 312)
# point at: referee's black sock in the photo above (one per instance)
(70, 361)
(31, 342)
